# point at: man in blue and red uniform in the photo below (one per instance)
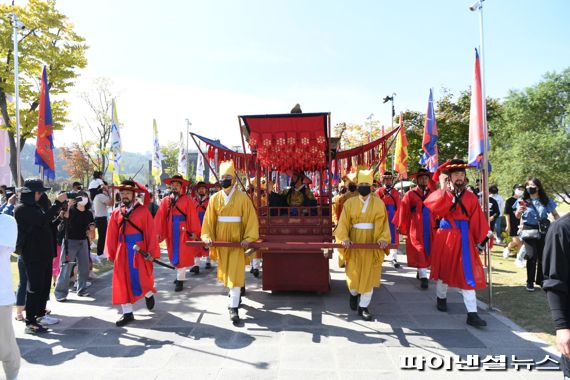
(176, 222)
(202, 198)
(133, 277)
(415, 220)
(391, 199)
(462, 225)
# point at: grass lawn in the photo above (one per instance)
(563, 208)
(528, 310)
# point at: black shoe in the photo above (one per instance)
(441, 304)
(179, 285)
(353, 301)
(83, 294)
(234, 316)
(255, 273)
(125, 318)
(417, 275)
(474, 320)
(195, 269)
(242, 291)
(396, 264)
(208, 266)
(529, 287)
(35, 329)
(149, 302)
(424, 283)
(364, 313)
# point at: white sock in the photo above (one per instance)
(208, 259)
(196, 261)
(149, 294)
(234, 296)
(127, 308)
(522, 252)
(353, 292)
(422, 272)
(441, 289)
(181, 274)
(470, 300)
(393, 254)
(255, 263)
(365, 299)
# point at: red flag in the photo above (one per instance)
(476, 134)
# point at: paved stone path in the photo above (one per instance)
(284, 335)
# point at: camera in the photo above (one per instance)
(74, 196)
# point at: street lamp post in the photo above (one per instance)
(387, 99)
(478, 6)
(188, 124)
(17, 25)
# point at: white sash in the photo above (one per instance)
(363, 226)
(229, 219)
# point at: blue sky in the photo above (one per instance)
(212, 60)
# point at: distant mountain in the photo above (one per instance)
(132, 163)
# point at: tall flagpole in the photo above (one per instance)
(478, 6)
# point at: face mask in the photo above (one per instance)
(351, 188)
(532, 190)
(226, 183)
(519, 193)
(364, 190)
(83, 202)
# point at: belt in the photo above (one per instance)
(363, 226)
(229, 219)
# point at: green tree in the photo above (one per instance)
(533, 136)
(170, 158)
(48, 39)
(452, 115)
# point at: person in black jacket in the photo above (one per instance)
(35, 244)
(556, 268)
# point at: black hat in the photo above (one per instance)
(75, 184)
(420, 172)
(33, 185)
(128, 185)
(518, 185)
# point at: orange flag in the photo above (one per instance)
(401, 163)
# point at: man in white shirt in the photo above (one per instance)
(494, 193)
(101, 203)
(9, 352)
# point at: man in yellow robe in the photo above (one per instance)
(350, 183)
(363, 220)
(230, 217)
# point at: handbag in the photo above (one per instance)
(529, 234)
(543, 223)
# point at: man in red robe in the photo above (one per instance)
(462, 225)
(415, 220)
(202, 198)
(391, 199)
(133, 278)
(176, 222)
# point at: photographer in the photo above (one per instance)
(101, 202)
(533, 208)
(78, 227)
(35, 244)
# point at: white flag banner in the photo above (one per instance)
(200, 168)
(182, 158)
(156, 156)
(116, 147)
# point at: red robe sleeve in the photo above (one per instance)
(150, 236)
(439, 202)
(478, 224)
(402, 216)
(161, 220)
(144, 190)
(192, 220)
(112, 237)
